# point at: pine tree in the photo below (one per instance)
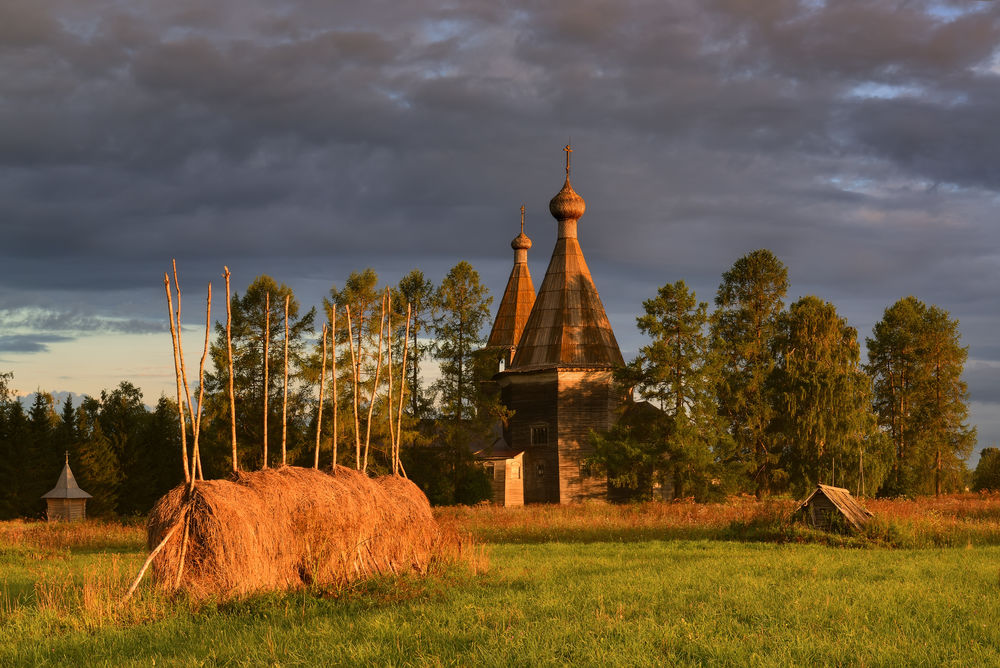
(418, 292)
(363, 296)
(467, 412)
(249, 316)
(945, 411)
(461, 309)
(748, 304)
(916, 360)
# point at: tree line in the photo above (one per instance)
(127, 456)
(754, 397)
(762, 398)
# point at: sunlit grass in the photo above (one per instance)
(597, 584)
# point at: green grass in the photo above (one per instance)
(617, 602)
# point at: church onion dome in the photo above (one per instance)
(567, 205)
(521, 242)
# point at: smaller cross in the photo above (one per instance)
(522, 219)
(568, 151)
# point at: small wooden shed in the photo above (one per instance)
(505, 469)
(66, 501)
(829, 506)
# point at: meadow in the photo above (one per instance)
(595, 584)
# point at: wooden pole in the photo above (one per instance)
(201, 389)
(187, 387)
(388, 402)
(354, 375)
(319, 412)
(184, 544)
(267, 338)
(177, 373)
(371, 398)
(149, 559)
(229, 353)
(284, 399)
(402, 393)
(333, 373)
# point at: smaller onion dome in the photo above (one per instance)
(521, 241)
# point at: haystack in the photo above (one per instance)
(289, 527)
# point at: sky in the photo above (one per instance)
(854, 139)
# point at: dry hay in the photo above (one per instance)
(288, 527)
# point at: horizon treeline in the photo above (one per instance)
(753, 397)
(763, 398)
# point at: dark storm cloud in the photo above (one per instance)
(73, 321)
(30, 343)
(853, 138)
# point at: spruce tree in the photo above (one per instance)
(42, 456)
(96, 468)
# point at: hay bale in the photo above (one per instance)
(288, 527)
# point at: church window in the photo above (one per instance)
(540, 435)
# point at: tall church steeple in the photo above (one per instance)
(517, 301)
(568, 325)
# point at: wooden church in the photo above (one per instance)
(557, 354)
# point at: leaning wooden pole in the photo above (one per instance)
(177, 373)
(267, 338)
(187, 387)
(402, 392)
(149, 559)
(354, 399)
(229, 355)
(319, 411)
(388, 402)
(371, 398)
(201, 391)
(333, 378)
(284, 398)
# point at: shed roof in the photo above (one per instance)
(855, 513)
(66, 487)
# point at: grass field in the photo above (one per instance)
(656, 584)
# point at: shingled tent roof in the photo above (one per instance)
(568, 325)
(517, 300)
(841, 498)
(66, 487)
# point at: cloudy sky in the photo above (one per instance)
(855, 139)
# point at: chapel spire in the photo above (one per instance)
(517, 301)
(568, 325)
